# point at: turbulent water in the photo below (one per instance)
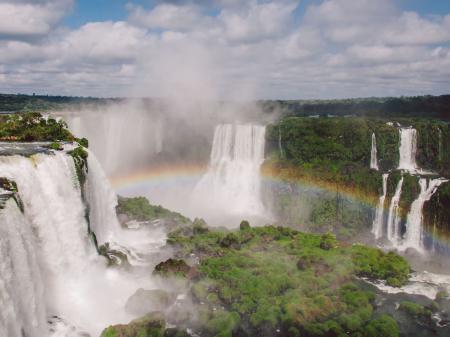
(232, 182)
(414, 226)
(373, 153)
(49, 247)
(393, 222)
(377, 227)
(408, 149)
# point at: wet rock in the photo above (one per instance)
(152, 324)
(173, 267)
(144, 301)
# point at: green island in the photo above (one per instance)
(273, 281)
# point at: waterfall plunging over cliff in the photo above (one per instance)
(408, 149)
(373, 153)
(377, 227)
(414, 227)
(49, 247)
(23, 311)
(393, 222)
(232, 181)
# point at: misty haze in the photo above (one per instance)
(269, 168)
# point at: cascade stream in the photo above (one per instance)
(233, 178)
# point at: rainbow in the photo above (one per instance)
(169, 174)
(173, 175)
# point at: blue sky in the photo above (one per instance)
(103, 10)
(233, 48)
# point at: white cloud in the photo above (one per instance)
(249, 49)
(29, 19)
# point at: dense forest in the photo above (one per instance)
(419, 106)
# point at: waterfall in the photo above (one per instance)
(414, 229)
(23, 311)
(408, 149)
(373, 153)
(377, 227)
(233, 178)
(48, 247)
(393, 222)
(122, 137)
(49, 188)
(53, 241)
(280, 146)
(102, 201)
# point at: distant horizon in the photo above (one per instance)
(225, 100)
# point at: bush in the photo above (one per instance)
(374, 263)
(383, 326)
(244, 225)
(328, 241)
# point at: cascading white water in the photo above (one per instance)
(102, 201)
(393, 222)
(373, 153)
(50, 191)
(78, 286)
(233, 182)
(408, 149)
(414, 229)
(23, 310)
(377, 227)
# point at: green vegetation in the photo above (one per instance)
(140, 209)
(331, 151)
(151, 325)
(80, 155)
(388, 107)
(436, 214)
(32, 127)
(414, 309)
(278, 279)
(375, 264)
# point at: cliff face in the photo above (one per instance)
(335, 154)
(436, 216)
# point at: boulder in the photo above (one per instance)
(145, 301)
(150, 325)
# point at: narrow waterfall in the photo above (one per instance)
(414, 229)
(232, 181)
(408, 149)
(280, 146)
(377, 227)
(121, 140)
(373, 153)
(23, 310)
(393, 222)
(102, 201)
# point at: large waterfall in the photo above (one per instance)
(414, 228)
(373, 153)
(233, 182)
(408, 149)
(393, 222)
(377, 227)
(50, 272)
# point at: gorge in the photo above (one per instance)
(73, 257)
